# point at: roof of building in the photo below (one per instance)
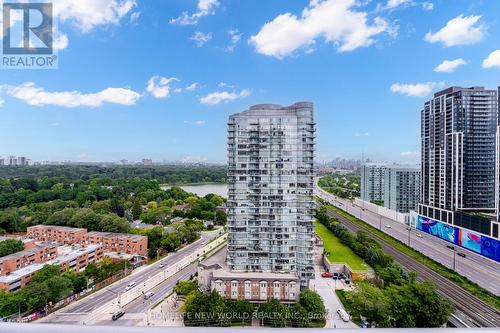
(115, 235)
(58, 227)
(28, 252)
(68, 256)
(226, 274)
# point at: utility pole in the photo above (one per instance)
(409, 232)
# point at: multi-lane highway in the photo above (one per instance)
(481, 270)
(82, 310)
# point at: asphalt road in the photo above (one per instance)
(85, 306)
(479, 269)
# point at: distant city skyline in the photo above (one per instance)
(170, 74)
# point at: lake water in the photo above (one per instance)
(204, 189)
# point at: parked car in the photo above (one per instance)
(343, 315)
(451, 247)
(326, 274)
(460, 254)
(130, 285)
(388, 226)
(148, 295)
(342, 276)
(419, 235)
(117, 315)
(336, 274)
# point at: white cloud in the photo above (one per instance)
(201, 38)
(159, 86)
(393, 4)
(205, 7)
(56, 124)
(428, 6)
(409, 153)
(415, 90)
(235, 36)
(89, 14)
(60, 41)
(449, 66)
(199, 122)
(2, 102)
(33, 95)
(462, 30)
(225, 85)
(224, 96)
(177, 90)
(192, 86)
(493, 60)
(134, 17)
(337, 21)
(359, 135)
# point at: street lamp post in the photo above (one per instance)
(380, 222)
(454, 255)
(409, 232)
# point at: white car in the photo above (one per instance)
(130, 285)
(388, 226)
(148, 295)
(419, 235)
(343, 315)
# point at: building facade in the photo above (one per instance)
(402, 188)
(458, 129)
(116, 242)
(270, 197)
(28, 262)
(372, 181)
(38, 254)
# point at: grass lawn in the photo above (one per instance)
(338, 251)
(435, 266)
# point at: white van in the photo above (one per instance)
(148, 295)
(343, 315)
(130, 285)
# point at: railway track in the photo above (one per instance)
(480, 313)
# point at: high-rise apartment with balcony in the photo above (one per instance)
(372, 181)
(270, 198)
(402, 188)
(458, 157)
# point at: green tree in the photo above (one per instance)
(36, 295)
(136, 210)
(59, 288)
(10, 246)
(273, 313)
(312, 303)
(185, 287)
(299, 316)
(45, 273)
(10, 220)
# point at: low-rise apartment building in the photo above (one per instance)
(58, 234)
(121, 243)
(115, 242)
(256, 287)
(38, 254)
(75, 258)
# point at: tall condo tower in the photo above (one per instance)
(270, 198)
(458, 156)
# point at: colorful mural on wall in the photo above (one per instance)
(468, 239)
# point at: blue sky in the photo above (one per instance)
(158, 79)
